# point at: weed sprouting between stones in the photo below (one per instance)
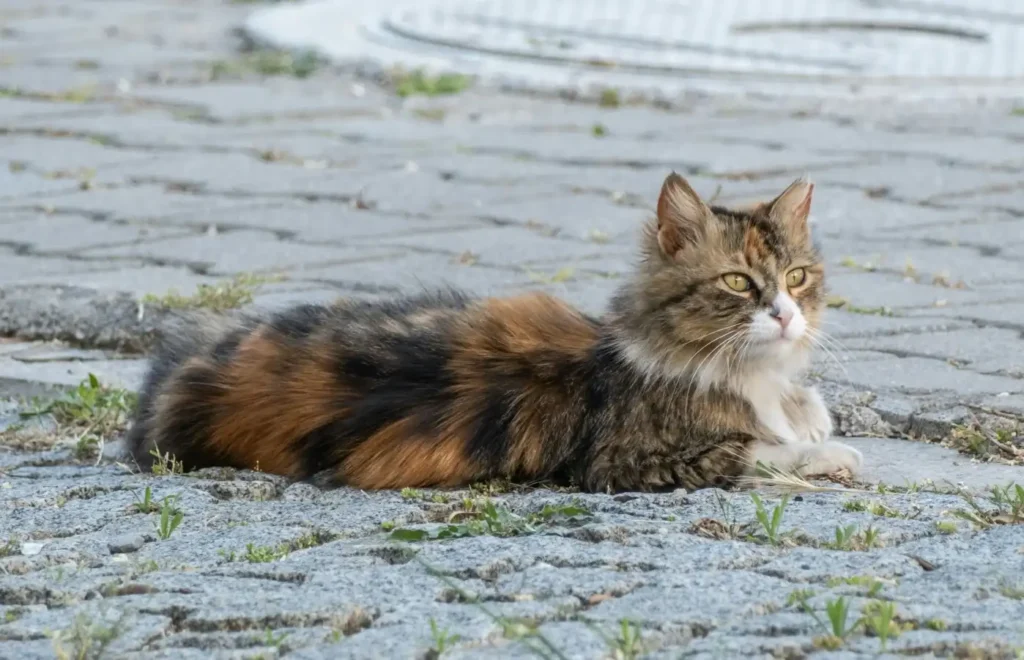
(878, 509)
(418, 83)
(627, 644)
(92, 411)
(1011, 590)
(851, 538)
(267, 62)
(11, 547)
(484, 517)
(984, 440)
(223, 296)
(442, 640)
(1003, 506)
(872, 585)
(85, 639)
(273, 640)
(170, 518)
(609, 98)
(165, 464)
(878, 619)
(261, 554)
(145, 504)
(772, 523)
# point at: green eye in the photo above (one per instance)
(738, 282)
(796, 277)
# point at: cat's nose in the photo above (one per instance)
(783, 316)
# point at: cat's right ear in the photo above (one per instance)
(682, 215)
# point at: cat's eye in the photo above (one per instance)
(737, 282)
(796, 277)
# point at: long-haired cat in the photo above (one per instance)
(686, 381)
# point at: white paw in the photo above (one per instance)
(829, 457)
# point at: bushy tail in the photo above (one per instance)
(186, 342)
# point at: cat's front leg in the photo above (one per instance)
(808, 414)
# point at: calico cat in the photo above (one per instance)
(687, 380)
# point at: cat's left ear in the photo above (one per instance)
(793, 206)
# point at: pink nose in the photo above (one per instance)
(781, 315)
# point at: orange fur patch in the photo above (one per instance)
(533, 336)
(260, 416)
(395, 457)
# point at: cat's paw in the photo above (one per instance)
(829, 457)
(810, 416)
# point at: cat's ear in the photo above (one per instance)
(793, 206)
(682, 216)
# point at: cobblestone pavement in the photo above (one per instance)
(146, 154)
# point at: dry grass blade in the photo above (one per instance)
(769, 475)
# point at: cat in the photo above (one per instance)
(688, 380)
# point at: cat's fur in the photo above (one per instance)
(684, 382)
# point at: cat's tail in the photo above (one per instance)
(180, 391)
(234, 392)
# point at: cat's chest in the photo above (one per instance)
(765, 396)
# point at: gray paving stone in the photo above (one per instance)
(694, 154)
(1003, 314)
(18, 268)
(411, 272)
(163, 128)
(992, 236)
(76, 84)
(898, 463)
(48, 234)
(421, 193)
(952, 265)
(832, 137)
(25, 184)
(1008, 198)
(119, 373)
(37, 152)
(917, 179)
(325, 221)
(1010, 403)
(508, 246)
(137, 280)
(269, 97)
(876, 290)
(14, 108)
(138, 203)
(843, 325)
(845, 211)
(572, 216)
(236, 173)
(985, 350)
(920, 375)
(242, 252)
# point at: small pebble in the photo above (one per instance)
(125, 543)
(31, 548)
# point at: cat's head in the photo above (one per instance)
(724, 287)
